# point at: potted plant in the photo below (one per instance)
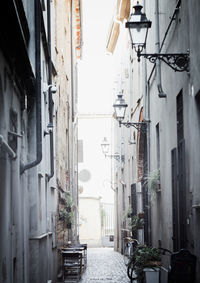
(66, 213)
(136, 222)
(141, 215)
(153, 181)
(147, 262)
(66, 217)
(129, 213)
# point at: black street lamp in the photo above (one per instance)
(120, 108)
(138, 26)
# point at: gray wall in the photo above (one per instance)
(181, 37)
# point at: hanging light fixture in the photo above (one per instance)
(120, 109)
(105, 148)
(138, 26)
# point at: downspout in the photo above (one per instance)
(49, 176)
(148, 157)
(38, 91)
(161, 93)
(72, 105)
(148, 140)
(173, 17)
(72, 59)
(68, 147)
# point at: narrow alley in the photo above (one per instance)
(103, 265)
(99, 135)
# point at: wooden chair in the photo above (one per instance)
(84, 262)
(72, 264)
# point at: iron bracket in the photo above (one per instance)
(178, 62)
(140, 126)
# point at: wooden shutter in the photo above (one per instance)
(175, 221)
(182, 192)
(133, 199)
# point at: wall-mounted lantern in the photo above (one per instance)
(120, 109)
(105, 148)
(138, 26)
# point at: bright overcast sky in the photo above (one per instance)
(96, 67)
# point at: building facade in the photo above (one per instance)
(164, 154)
(32, 134)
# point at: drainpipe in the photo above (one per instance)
(147, 118)
(49, 176)
(68, 146)
(161, 93)
(72, 56)
(148, 157)
(74, 190)
(38, 91)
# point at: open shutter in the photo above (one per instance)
(175, 237)
(182, 192)
(133, 199)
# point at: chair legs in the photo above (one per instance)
(72, 266)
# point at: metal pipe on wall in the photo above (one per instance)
(68, 145)
(37, 90)
(73, 192)
(72, 57)
(49, 90)
(148, 139)
(161, 93)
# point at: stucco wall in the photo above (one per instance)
(90, 221)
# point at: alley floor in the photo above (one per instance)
(104, 265)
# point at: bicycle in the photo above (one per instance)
(143, 257)
(130, 246)
(133, 266)
(181, 269)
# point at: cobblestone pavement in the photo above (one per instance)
(104, 265)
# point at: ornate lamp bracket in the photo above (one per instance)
(115, 156)
(178, 62)
(140, 126)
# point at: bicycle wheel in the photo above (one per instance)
(131, 271)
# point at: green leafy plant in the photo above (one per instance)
(66, 214)
(136, 222)
(129, 213)
(146, 257)
(68, 201)
(153, 181)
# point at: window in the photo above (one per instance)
(123, 192)
(158, 145)
(179, 106)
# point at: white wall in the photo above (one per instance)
(90, 221)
